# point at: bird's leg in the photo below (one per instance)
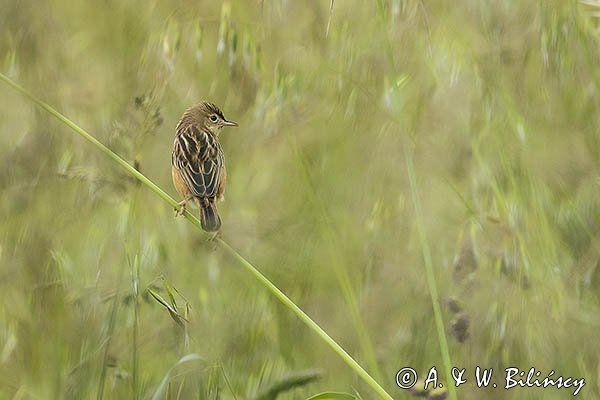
(179, 211)
(217, 235)
(212, 241)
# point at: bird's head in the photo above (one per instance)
(208, 116)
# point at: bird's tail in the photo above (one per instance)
(209, 217)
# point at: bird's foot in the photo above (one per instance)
(181, 209)
(217, 235)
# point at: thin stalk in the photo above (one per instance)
(114, 309)
(313, 326)
(430, 275)
(135, 284)
(340, 270)
(414, 188)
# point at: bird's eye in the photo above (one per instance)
(214, 118)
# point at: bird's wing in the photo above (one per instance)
(199, 158)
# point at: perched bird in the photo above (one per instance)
(198, 163)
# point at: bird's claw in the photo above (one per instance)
(181, 209)
(217, 235)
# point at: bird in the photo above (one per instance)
(198, 162)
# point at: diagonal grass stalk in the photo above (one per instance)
(312, 325)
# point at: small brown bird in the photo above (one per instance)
(198, 162)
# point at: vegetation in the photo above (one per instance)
(421, 178)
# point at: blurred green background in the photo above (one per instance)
(496, 104)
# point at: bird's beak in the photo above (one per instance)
(229, 123)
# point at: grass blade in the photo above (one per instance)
(160, 392)
(296, 380)
(332, 396)
(177, 317)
